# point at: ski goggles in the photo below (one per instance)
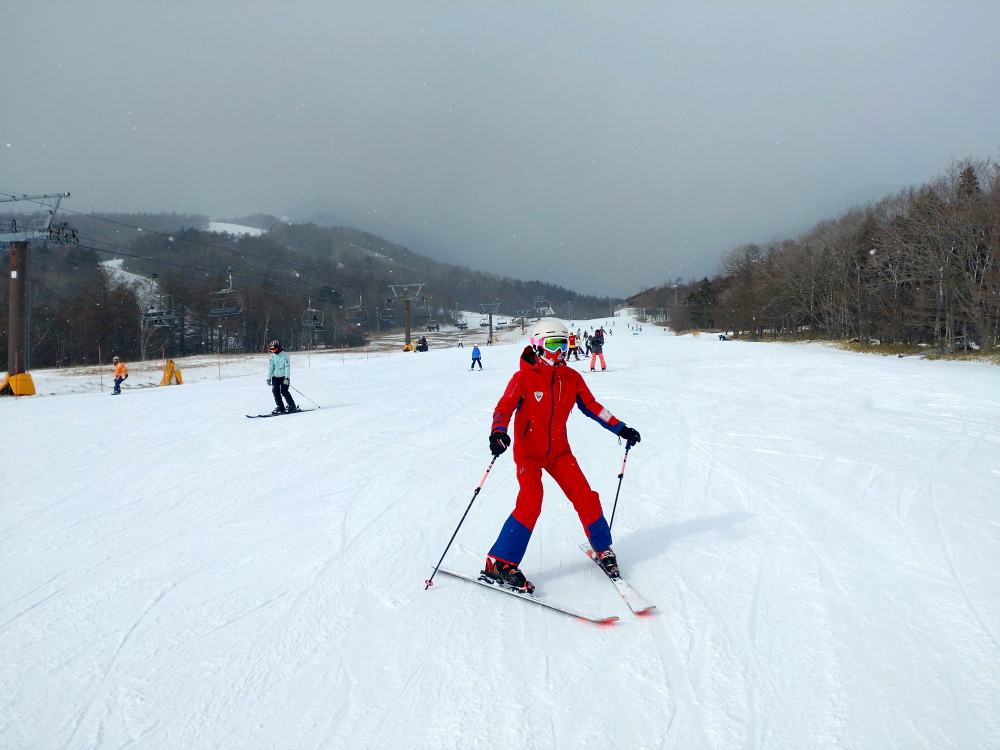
(555, 343)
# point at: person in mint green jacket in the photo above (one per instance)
(279, 371)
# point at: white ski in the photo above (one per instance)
(632, 598)
(528, 597)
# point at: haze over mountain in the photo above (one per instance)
(602, 146)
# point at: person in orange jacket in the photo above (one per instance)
(121, 373)
(574, 350)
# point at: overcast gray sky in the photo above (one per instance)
(604, 146)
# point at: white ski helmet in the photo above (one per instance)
(549, 328)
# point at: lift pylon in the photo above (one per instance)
(491, 309)
(406, 293)
(19, 235)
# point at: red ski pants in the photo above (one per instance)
(593, 360)
(568, 475)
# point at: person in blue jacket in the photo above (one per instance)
(476, 358)
(279, 370)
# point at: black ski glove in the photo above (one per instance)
(269, 381)
(630, 435)
(499, 442)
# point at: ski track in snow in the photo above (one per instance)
(818, 530)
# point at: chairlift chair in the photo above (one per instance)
(484, 322)
(356, 313)
(462, 325)
(542, 307)
(160, 312)
(313, 318)
(422, 312)
(387, 316)
(226, 301)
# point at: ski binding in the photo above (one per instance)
(632, 598)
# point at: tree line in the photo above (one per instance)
(921, 266)
(79, 309)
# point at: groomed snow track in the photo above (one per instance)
(820, 531)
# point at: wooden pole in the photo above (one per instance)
(406, 319)
(16, 340)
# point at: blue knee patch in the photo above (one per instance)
(599, 535)
(512, 542)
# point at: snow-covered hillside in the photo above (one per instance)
(819, 530)
(226, 228)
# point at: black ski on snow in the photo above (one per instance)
(280, 414)
(632, 598)
(529, 597)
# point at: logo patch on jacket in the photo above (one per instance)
(538, 395)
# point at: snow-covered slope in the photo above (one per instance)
(818, 528)
(221, 226)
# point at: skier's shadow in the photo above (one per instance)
(649, 543)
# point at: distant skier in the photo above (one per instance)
(574, 350)
(121, 374)
(422, 344)
(597, 349)
(539, 398)
(279, 370)
(477, 358)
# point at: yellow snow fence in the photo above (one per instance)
(171, 374)
(17, 385)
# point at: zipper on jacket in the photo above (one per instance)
(552, 409)
(526, 428)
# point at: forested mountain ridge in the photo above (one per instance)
(75, 306)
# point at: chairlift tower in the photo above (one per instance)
(405, 293)
(523, 316)
(19, 236)
(491, 309)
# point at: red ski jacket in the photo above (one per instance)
(543, 397)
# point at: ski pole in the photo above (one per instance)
(430, 581)
(305, 396)
(628, 446)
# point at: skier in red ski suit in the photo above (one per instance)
(540, 397)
